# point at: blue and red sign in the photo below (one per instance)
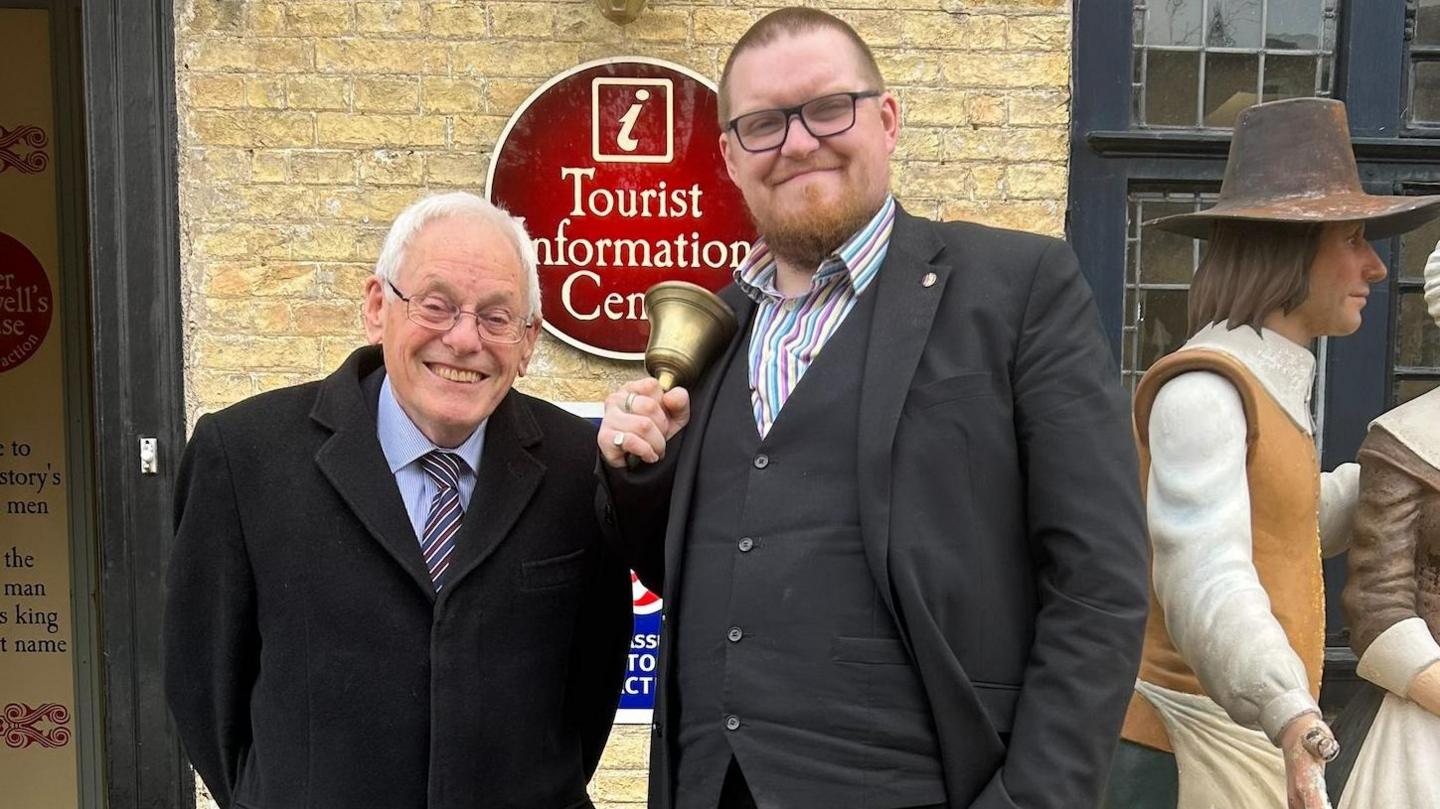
(637, 694)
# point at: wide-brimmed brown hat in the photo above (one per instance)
(1291, 161)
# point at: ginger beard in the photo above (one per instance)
(808, 235)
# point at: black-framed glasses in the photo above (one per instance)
(495, 325)
(823, 117)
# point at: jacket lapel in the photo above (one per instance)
(352, 460)
(904, 311)
(507, 479)
(702, 404)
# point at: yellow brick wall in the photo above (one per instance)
(306, 126)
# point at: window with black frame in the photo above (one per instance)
(1197, 63)
(1158, 269)
(1422, 97)
(1415, 367)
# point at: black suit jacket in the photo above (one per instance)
(308, 660)
(999, 506)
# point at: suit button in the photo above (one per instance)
(609, 515)
(762, 461)
(732, 723)
(746, 543)
(735, 634)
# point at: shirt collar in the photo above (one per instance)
(403, 443)
(859, 259)
(1285, 368)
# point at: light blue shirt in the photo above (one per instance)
(404, 445)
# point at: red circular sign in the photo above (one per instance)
(26, 305)
(615, 167)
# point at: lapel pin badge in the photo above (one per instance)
(929, 280)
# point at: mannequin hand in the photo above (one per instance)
(1425, 688)
(1304, 768)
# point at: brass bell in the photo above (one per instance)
(621, 12)
(689, 325)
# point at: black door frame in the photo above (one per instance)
(137, 383)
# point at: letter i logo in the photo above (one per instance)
(625, 140)
(632, 120)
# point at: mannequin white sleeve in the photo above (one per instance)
(1339, 491)
(1198, 507)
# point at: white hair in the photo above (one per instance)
(458, 203)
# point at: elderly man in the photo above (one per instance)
(388, 587)
(897, 525)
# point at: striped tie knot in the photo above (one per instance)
(443, 468)
(443, 520)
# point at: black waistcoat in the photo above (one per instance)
(785, 654)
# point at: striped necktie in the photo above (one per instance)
(443, 521)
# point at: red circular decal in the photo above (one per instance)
(25, 303)
(615, 167)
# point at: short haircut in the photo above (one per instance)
(461, 204)
(790, 22)
(1251, 269)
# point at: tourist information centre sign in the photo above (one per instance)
(615, 167)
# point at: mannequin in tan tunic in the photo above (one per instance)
(1225, 711)
(1392, 599)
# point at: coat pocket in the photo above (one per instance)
(556, 571)
(875, 651)
(969, 385)
(998, 700)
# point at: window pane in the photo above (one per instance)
(1293, 24)
(1415, 248)
(1407, 389)
(1425, 94)
(1155, 318)
(1162, 323)
(1234, 24)
(1250, 49)
(1289, 77)
(1427, 22)
(1166, 258)
(1170, 88)
(1417, 340)
(1172, 22)
(1230, 84)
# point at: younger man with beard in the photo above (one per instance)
(908, 570)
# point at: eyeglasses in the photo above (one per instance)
(436, 312)
(822, 117)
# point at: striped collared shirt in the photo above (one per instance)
(404, 446)
(788, 333)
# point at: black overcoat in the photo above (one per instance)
(309, 663)
(999, 507)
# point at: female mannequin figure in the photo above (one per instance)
(1392, 598)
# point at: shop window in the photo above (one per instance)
(1422, 33)
(1158, 269)
(1197, 63)
(1416, 365)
